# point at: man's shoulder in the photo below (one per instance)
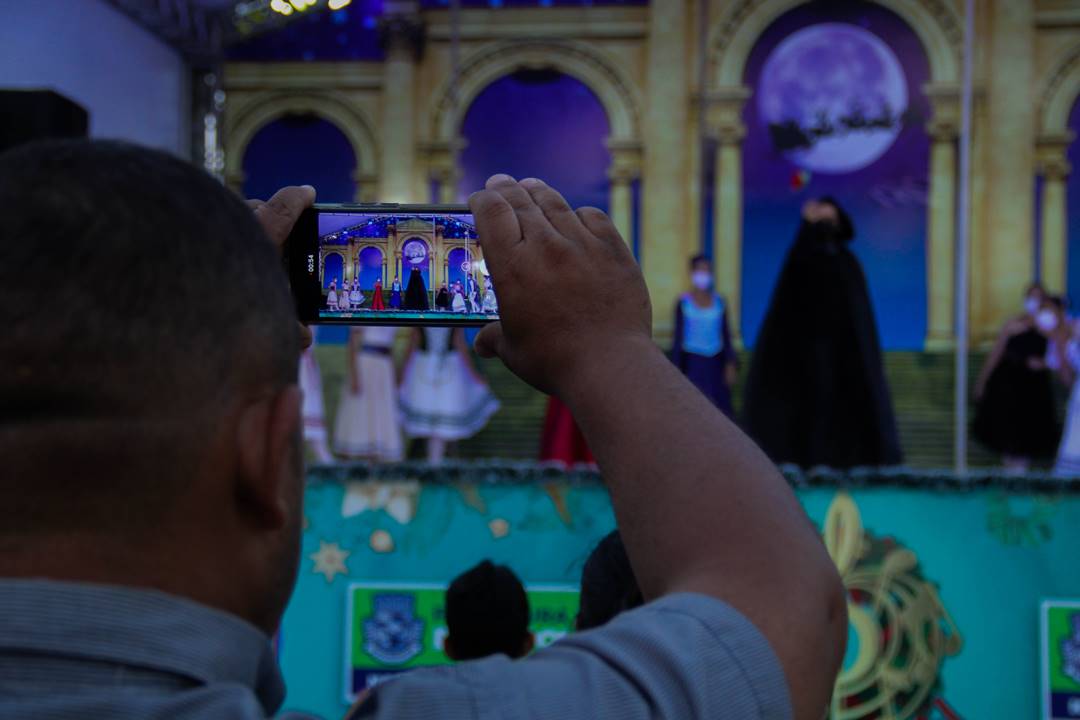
(680, 656)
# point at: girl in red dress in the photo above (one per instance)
(562, 441)
(376, 296)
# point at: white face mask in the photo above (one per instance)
(701, 280)
(1031, 305)
(1046, 320)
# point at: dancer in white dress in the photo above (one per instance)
(458, 303)
(491, 304)
(332, 296)
(368, 424)
(472, 294)
(1063, 356)
(313, 412)
(443, 397)
(356, 297)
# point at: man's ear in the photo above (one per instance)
(267, 452)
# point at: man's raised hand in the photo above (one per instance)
(569, 290)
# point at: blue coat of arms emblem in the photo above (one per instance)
(1070, 651)
(393, 633)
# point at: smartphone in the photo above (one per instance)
(389, 264)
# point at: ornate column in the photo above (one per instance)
(1004, 256)
(234, 180)
(367, 186)
(724, 116)
(401, 35)
(944, 130)
(625, 169)
(442, 162)
(1053, 166)
(665, 241)
(393, 249)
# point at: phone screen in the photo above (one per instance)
(400, 265)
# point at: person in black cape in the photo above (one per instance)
(1015, 414)
(816, 393)
(416, 295)
(442, 298)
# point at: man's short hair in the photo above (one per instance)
(608, 585)
(139, 299)
(699, 258)
(487, 612)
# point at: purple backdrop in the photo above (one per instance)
(1073, 198)
(298, 150)
(539, 123)
(455, 258)
(838, 109)
(371, 263)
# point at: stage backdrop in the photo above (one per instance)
(543, 124)
(1073, 204)
(944, 585)
(838, 109)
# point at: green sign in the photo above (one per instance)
(394, 627)
(1060, 659)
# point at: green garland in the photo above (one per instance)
(504, 472)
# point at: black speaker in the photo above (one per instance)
(27, 115)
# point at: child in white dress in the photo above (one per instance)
(332, 296)
(491, 304)
(458, 303)
(1063, 356)
(368, 426)
(356, 297)
(313, 412)
(443, 398)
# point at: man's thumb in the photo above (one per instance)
(488, 343)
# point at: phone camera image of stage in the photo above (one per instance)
(403, 267)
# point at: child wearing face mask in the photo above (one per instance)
(1063, 357)
(1014, 394)
(701, 346)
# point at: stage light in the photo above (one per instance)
(280, 6)
(338, 4)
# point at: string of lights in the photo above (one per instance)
(288, 7)
(453, 229)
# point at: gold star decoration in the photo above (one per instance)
(330, 560)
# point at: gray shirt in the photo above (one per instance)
(72, 650)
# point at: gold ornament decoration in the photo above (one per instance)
(901, 631)
(330, 560)
(381, 541)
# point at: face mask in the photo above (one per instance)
(1046, 320)
(1031, 306)
(701, 280)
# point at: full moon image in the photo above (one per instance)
(832, 95)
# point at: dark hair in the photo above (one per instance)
(699, 258)
(1057, 301)
(487, 612)
(139, 299)
(608, 585)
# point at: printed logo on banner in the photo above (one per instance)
(392, 628)
(1060, 643)
(392, 634)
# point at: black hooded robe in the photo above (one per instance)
(416, 295)
(816, 393)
